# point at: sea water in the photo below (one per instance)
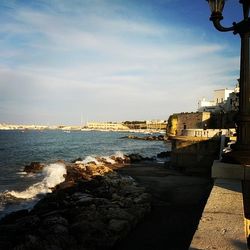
(19, 190)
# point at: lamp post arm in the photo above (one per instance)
(219, 27)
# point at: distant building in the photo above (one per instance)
(224, 100)
(147, 125)
(106, 126)
(232, 103)
(156, 124)
(136, 124)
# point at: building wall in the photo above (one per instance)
(151, 125)
(232, 103)
(195, 156)
(204, 103)
(221, 95)
(106, 126)
(156, 124)
(221, 101)
(179, 122)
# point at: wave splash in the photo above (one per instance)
(99, 160)
(54, 175)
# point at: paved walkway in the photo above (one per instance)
(222, 223)
(178, 202)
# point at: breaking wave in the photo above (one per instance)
(97, 161)
(54, 175)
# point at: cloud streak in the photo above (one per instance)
(99, 58)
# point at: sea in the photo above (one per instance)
(21, 190)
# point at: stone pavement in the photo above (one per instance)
(222, 222)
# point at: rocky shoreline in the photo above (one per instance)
(93, 208)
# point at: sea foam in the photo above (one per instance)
(119, 154)
(53, 175)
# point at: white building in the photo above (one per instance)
(221, 95)
(206, 106)
(222, 101)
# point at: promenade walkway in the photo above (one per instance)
(178, 202)
(222, 222)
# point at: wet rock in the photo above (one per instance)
(135, 158)
(66, 184)
(164, 154)
(77, 159)
(34, 167)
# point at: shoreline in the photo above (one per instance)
(126, 204)
(67, 129)
(93, 197)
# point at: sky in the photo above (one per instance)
(67, 62)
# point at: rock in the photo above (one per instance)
(74, 174)
(54, 219)
(164, 154)
(119, 159)
(34, 167)
(65, 185)
(119, 213)
(161, 137)
(92, 209)
(135, 158)
(77, 159)
(91, 167)
(143, 198)
(149, 159)
(84, 199)
(118, 225)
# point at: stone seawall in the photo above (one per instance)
(194, 155)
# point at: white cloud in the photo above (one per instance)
(105, 65)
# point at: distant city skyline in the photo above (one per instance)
(69, 62)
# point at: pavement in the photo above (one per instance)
(177, 204)
(222, 222)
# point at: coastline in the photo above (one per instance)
(109, 201)
(92, 198)
(124, 203)
(65, 128)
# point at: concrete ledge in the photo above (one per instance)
(189, 138)
(222, 222)
(230, 171)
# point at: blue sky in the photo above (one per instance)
(111, 60)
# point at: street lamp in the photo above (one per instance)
(241, 151)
